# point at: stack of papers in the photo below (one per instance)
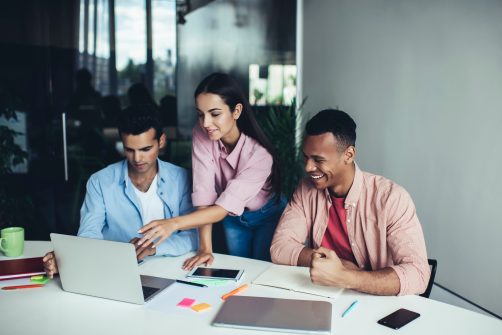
(294, 278)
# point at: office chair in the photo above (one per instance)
(433, 264)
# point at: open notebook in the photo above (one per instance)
(294, 278)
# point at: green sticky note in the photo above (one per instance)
(40, 279)
(212, 282)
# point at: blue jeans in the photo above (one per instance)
(250, 234)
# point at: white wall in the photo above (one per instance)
(423, 80)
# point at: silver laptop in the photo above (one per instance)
(273, 314)
(104, 269)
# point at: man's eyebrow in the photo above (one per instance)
(143, 148)
(313, 156)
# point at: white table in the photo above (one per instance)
(50, 310)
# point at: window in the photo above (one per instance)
(130, 37)
(130, 17)
(94, 42)
(272, 84)
(164, 47)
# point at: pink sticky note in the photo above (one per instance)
(187, 302)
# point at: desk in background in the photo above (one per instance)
(50, 310)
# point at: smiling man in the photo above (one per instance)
(124, 196)
(353, 229)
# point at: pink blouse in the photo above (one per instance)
(235, 180)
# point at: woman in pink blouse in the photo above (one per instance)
(235, 177)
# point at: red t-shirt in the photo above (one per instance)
(336, 236)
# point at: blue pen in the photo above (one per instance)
(351, 307)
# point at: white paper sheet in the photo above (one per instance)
(167, 300)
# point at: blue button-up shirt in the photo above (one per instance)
(111, 210)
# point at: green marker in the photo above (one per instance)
(40, 279)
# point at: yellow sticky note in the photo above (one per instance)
(201, 307)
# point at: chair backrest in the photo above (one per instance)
(433, 264)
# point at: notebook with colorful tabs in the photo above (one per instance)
(20, 268)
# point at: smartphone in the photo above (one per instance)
(398, 318)
(213, 273)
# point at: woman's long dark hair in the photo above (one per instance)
(230, 92)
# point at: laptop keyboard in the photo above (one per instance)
(148, 291)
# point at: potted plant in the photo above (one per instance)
(284, 127)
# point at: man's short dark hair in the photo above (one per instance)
(334, 121)
(135, 120)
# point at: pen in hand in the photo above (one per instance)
(351, 307)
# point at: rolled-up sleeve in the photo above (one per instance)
(247, 183)
(204, 171)
(292, 232)
(406, 243)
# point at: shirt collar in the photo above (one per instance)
(355, 190)
(162, 173)
(123, 174)
(124, 177)
(233, 157)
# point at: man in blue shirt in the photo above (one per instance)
(124, 196)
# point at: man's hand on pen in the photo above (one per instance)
(50, 266)
(142, 250)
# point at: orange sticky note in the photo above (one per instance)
(201, 307)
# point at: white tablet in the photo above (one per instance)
(213, 273)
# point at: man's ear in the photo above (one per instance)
(162, 141)
(237, 111)
(350, 154)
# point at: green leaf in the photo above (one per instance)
(284, 128)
